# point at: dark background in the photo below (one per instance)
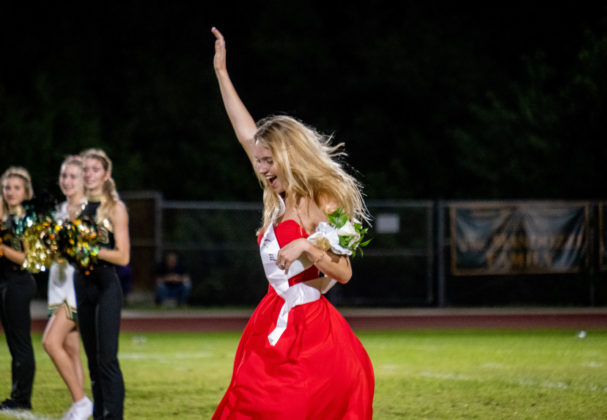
(433, 100)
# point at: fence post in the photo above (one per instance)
(594, 249)
(439, 252)
(158, 226)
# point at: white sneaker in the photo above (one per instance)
(81, 410)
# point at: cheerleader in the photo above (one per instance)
(17, 288)
(98, 293)
(298, 358)
(60, 338)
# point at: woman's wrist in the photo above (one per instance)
(315, 254)
(222, 73)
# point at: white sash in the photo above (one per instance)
(295, 295)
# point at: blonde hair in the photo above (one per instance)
(311, 166)
(75, 160)
(110, 195)
(23, 174)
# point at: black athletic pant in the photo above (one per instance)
(17, 289)
(99, 298)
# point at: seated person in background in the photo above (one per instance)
(172, 280)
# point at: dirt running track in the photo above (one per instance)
(370, 319)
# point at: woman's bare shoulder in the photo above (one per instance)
(327, 205)
(119, 212)
(315, 211)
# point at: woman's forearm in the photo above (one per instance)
(240, 118)
(337, 267)
(12, 255)
(114, 256)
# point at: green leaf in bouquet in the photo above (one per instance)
(338, 218)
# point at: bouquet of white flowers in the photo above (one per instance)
(341, 235)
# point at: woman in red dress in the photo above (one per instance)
(298, 358)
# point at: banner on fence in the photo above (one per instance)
(519, 237)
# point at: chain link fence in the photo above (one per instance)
(406, 264)
(217, 243)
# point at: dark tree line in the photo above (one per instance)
(433, 101)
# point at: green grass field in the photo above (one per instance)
(465, 374)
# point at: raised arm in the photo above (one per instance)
(242, 122)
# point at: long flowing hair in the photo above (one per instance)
(110, 194)
(18, 172)
(311, 166)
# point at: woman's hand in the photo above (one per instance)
(219, 61)
(335, 266)
(291, 252)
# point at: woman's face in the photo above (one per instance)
(13, 190)
(70, 180)
(268, 169)
(94, 174)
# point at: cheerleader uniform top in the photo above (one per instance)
(61, 276)
(9, 238)
(106, 234)
(106, 238)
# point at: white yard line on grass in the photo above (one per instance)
(21, 414)
(164, 357)
(522, 382)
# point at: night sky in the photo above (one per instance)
(410, 88)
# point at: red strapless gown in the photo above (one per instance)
(318, 369)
